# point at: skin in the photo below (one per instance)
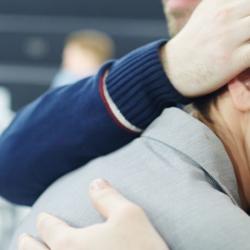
(124, 220)
(80, 62)
(178, 16)
(231, 122)
(197, 59)
(231, 116)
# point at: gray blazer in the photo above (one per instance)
(178, 171)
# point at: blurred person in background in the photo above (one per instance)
(84, 53)
(5, 109)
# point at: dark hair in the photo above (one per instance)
(203, 104)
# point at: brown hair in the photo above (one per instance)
(203, 104)
(97, 42)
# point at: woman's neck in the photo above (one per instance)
(233, 138)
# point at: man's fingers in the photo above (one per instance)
(28, 243)
(52, 230)
(243, 55)
(237, 9)
(244, 9)
(243, 29)
(106, 199)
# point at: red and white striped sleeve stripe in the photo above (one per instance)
(113, 110)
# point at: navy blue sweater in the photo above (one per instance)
(67, 127)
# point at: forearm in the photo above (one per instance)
(69, 126)
(139, 86)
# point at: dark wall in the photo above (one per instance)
(32, 34)
(88, 8)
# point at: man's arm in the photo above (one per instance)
(67, 127)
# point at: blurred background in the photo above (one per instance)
(35, 37)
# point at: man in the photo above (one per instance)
(123, 98)
(172, 157)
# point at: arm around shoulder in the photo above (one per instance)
(67, 127)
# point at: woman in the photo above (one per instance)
(234, 102)
(192, 184)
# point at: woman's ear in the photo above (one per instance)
(240, 93)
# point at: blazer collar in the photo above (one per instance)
(181, 131)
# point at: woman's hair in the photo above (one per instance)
(203, 104)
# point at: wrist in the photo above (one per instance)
(171, 68)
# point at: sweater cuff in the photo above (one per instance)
(139, 87)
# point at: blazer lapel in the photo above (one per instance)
(189, 136)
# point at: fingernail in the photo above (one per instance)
(99, 184)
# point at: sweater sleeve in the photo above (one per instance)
(69, 126)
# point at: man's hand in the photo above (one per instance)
(126, 227)
(212, 49)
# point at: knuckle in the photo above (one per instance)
(62, 242)
(131, 211)
(245, 59)
(225, 14)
